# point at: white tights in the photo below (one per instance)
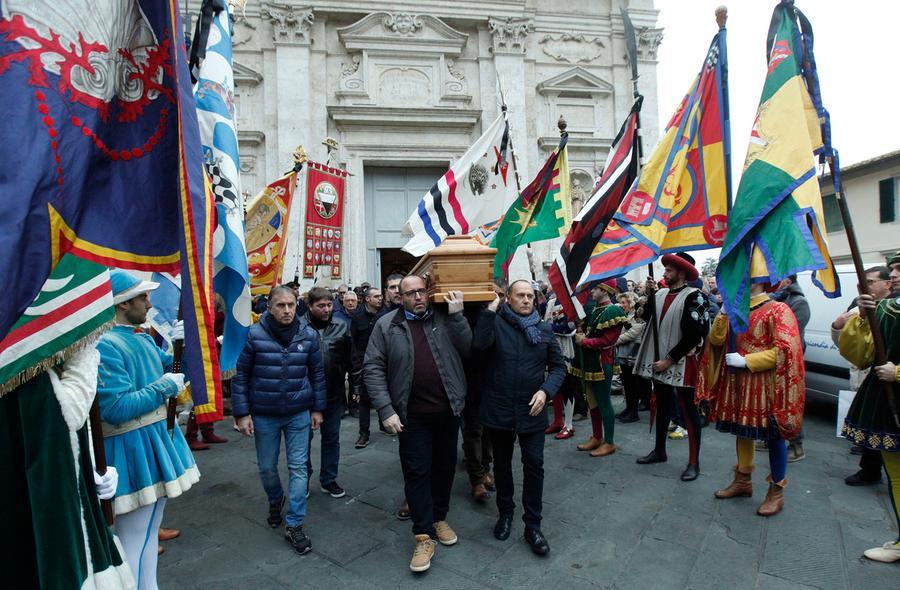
(568, 412)
(138, 531)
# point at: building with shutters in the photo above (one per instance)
(405, 87)
(872, 189)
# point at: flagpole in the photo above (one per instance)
(100, 455)
(631, 45)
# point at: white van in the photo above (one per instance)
(826, 370)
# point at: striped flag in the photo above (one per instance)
(211, 64)
(474, 192)
(618, 175)
(680, 199)
(74, 307)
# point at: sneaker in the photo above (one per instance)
(275, 509)
(672, 426)
(363, 441)
(445, 534)
(887, 553)
(795, 453)
(678, 434)
(421, 559)
(298, 539)
(334, 489)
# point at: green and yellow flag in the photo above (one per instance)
(542, 212)
(776, 227)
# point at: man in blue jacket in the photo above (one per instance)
(279, 388)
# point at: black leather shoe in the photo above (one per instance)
(860, 478)
(536, 539)
(503, 527)
(653, 457)
(629, 417)
(690, 472)
(363, 441)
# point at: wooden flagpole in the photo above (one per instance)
(100, 456)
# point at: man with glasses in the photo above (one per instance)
(414, 375)
(878, 280)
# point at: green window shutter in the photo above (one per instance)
(887, 201)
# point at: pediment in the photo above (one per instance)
(402, 32)
(244, 75)
(577, 81)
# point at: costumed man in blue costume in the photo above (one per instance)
(133, 387)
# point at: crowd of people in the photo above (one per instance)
(432, 371)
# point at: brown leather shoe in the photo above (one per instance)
(604, 450)
(591, 444)
(488, 481)
(168, 534)
(480, 493)
(740, 487)
(403, 511)
(774, 501)
(197, 445)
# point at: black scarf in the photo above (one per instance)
(283, 334)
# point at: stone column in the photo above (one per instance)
(291, 30)
(509, 44)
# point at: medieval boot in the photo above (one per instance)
(208, 433)
(194, 442)
(558, 407)
(740, 487)
(774, 501)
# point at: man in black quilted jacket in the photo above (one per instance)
(279, 388)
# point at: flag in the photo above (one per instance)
(542, 212)
(777, 221)
(618, 175)
(74, 307)
(474, 192)
(101, 131)
(267, 217)
(680, 199)
(211, 60)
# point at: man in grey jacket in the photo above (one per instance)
(414, 376)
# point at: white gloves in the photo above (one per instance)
(177, 379)
(736, 360)
(107, 483)
(177, 332)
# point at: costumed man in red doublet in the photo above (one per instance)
(756, 392)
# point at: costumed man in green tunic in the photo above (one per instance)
(871, 422)
(593, 364)
(55, 535)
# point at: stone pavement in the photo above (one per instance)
(610, 523)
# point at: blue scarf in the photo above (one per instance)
(527, 324)
(410, 316)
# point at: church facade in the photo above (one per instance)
(407, 87)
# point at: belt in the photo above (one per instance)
(151, 417)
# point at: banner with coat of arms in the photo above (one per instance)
(324, 229)
(268, 214)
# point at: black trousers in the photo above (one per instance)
(870, 463)
(666, 398)
(476, 445)
(531, 445)
(428, 458)
(630, 384)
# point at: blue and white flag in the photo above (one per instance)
(470, 197)
(211, 65)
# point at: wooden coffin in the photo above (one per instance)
(460, 263)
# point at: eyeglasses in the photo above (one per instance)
(415, 293)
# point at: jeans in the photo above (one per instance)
(267, 432)
(330, 433)
(428, 457)
(531, 445)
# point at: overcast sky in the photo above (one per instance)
(856, 48)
